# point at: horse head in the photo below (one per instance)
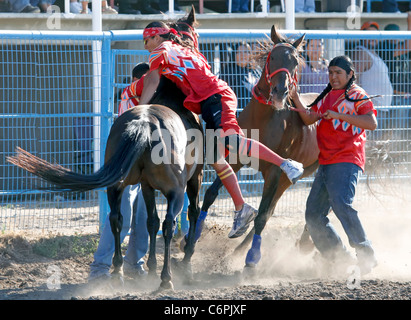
(186, 27)
(280, 71)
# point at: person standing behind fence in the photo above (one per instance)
(314, 74)
(172, 57)
(130, 96)
(343, 112)
(132, 201)
(373, 73)
(397, 56)
(239, 75)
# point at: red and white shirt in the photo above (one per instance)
(189, 70)
(338, 140)
(130, 96)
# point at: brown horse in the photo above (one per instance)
(148, 145)
(280, 128)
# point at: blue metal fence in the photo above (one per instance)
(59, 95)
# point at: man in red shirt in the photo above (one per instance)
(343, 112)
(211, 97)
(131, 94)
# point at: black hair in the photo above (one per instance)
(346, 64)
(140, 69)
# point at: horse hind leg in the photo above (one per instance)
(116, 223)
(153, 225)
(175, 202)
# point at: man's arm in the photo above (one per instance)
(151, 82)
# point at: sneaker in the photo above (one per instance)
(242, 220)
(30, 9)
(293, 169)
(108, 10)
(366, 260)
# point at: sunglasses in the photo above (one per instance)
(146, 40)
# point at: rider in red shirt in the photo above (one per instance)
(172, 57)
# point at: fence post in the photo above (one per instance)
(106, 115)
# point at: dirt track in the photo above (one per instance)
(283, 273)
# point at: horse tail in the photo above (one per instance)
(130, 147)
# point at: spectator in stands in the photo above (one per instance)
(125, 7)
(105, 8)
(145, 7)
(390, 6)
(397, 56)
(19, 6)
(237, 72)
(163, 6)
(240, 6)
(314, 74)
(42, 4)
(304, 6)
(132, 199)
(373, 73)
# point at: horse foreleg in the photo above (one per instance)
(175, 205)
(273, 189)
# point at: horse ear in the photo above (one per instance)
(191, 16)
(274, 35)
(299, 41)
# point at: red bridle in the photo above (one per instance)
(268, 76)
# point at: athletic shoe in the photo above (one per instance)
(30, 9)
(293, 169)
(108, 10)
(242, 220)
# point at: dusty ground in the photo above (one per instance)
(55, 266)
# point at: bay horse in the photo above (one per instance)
(148, 144)
(280, 128)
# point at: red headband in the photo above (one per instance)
(151, 32)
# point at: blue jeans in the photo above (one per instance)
(138, 242)
(18, 5)
(389, 6)
(304, 6)
(334, 188)
(239, 5)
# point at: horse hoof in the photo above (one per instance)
(305, 246)
(249, 272)
(117, 280)
(167, 285)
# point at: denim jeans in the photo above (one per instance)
(304, 6)
(18, 5)
(334, 188)
(138, 242)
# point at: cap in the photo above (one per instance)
(368, 24)
(392, 27)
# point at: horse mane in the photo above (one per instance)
(264, 47)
